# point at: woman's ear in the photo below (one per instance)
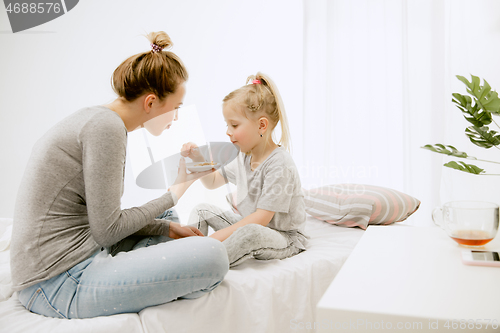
(148, 102)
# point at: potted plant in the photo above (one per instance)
(479, 110)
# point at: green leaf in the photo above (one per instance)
(447, 150)
(483, 136)
(486, 99)
(468, 84)
(463, 100)
(472, 113)
(464, 167)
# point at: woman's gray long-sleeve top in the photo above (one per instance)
(68, 203)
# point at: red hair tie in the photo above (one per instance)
(256, 82)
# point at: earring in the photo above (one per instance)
(261, 135)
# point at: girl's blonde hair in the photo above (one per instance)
(263, 97)
(156, 71)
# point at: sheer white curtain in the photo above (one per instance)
(378, 78)
(472, 48)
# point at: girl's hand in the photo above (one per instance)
(177, 231)
(184, 179)
(192, 151)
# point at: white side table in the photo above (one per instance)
(410, 279)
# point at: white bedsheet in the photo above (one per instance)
(257, 296)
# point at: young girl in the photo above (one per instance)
(270, 202)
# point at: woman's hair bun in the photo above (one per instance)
(161, 39)
(153, 71)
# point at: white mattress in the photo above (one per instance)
(257, 296)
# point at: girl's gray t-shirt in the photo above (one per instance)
(69, 202)
(274, 186)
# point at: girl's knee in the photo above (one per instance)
(249, 234)
(255, 236)
(250, 229)
(203, 207)
(198, 213)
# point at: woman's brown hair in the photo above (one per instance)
(157, 71)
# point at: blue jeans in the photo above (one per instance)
(124, 278)
(170, 215)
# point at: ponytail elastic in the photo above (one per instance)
(155, 48)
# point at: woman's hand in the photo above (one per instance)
(192, 151)
(177, 231)
(184, 179)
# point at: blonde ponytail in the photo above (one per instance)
(285, 140)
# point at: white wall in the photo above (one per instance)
(50, 71)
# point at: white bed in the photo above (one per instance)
(257, 296)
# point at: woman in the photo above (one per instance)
(69, 233)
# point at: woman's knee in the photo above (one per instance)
(215, 256)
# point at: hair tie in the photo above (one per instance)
(155, 48)
(256, 82)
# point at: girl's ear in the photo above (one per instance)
(263, 123)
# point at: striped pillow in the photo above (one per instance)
(356, 205)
